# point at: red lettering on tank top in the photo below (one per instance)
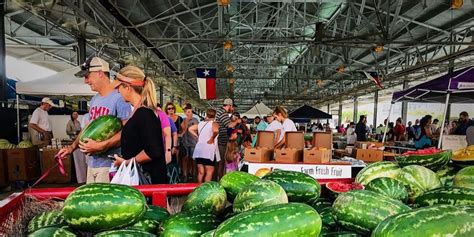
(98, 111)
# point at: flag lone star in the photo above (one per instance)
(206, 72)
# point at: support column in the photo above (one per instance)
(3, 53)
(356, 106)
(405, 105)
(329, 112)
(161, 95)
(376, 104)
(81, 50)
(339, 113)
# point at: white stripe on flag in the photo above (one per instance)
(201, 83)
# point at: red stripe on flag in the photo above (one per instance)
(210, 89)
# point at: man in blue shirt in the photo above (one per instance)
(107, 102)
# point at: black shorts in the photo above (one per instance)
(205, 162)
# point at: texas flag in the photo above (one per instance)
(206, 81)
(373, 76)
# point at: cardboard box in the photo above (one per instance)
(263, 150)
(320, 140)
(23, 164)
(48, 160)
(369, 155)
(361, 145)
(293, 149)
(3, 168)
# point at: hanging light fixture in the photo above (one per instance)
(232, 80)
(319, 82)
(341, 68)
(378, 48)
(230, 68)
(223, 3)
(456, 4)
(228, 45)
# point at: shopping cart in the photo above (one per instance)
(12, 207)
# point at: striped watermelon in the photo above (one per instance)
(446, 175)
(260, 193)
(447, 195)
(233, 182)
(465, 178)
(362, 210)
(376, 170)
(324, 208)
(209, 233)
(439, 220)
(433, 161)
(188, 224)
(389, 187)
(100, 206)
(46, 219)
(299, 187)
(102, 128)
(283, 220)
(125, 233)
(151, 220)
(209, 197)
(340, 234)
(52, 232)
(418, 180)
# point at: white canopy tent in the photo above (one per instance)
(62, 83)
(259, 109)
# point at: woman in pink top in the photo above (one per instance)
(166, 129)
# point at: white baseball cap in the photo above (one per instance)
(48, 101)
(94, 64)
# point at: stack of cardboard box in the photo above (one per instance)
(292, 152)
(321, 150)
(263, 150)
(23, 164)
(369, 151)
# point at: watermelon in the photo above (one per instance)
(25, 144)
(376, 170)
(52, 232)
(233, 182)
(101, 206)
(446, 175)
(434, 161)
(299, 187)
(319, 204)
(151, 220)
(102, 128)
(464, 178)
(209, 197)
(418, 180)
(439, 220)
(188, 224)
(456, 196)
(389, 187)
(259, 194)
(46, 219)
(362, 210)
(209, 233)
(327, 217)
(124, 233)
(290, 219)
(340, 234)
(337, 187)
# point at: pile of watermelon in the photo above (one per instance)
(5, 144)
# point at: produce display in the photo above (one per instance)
(377, 170)
(363, 210)
(233, 182)
(260, 193)
(389, 187)
(456, 196)
(102, 128)
(209, 197)
(299, 187)
(430, 158)
(337, 187)
(439, 220)
(464, 178)
(418, 180)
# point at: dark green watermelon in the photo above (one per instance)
(125, 233)
(446, 175)
(46, 219)
(151, 220)
(100, 206)
(233, 182)
(52, 232)
(259, 194)
(299, 187)
(456, 196)
(188, 224)
(433, 161)
(209, 197)
(389, 187)
(102, 128)
(340, 234)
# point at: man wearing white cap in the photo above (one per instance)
(39, 122)
(107, 102)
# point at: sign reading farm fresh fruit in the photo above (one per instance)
(316, 171)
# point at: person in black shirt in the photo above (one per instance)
(141, 135)
(361, 129)
(463, 124)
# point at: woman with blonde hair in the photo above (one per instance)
(281, 115)
(142, 134)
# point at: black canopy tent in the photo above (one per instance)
(306, 113)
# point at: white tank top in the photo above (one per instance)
(202, 149)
